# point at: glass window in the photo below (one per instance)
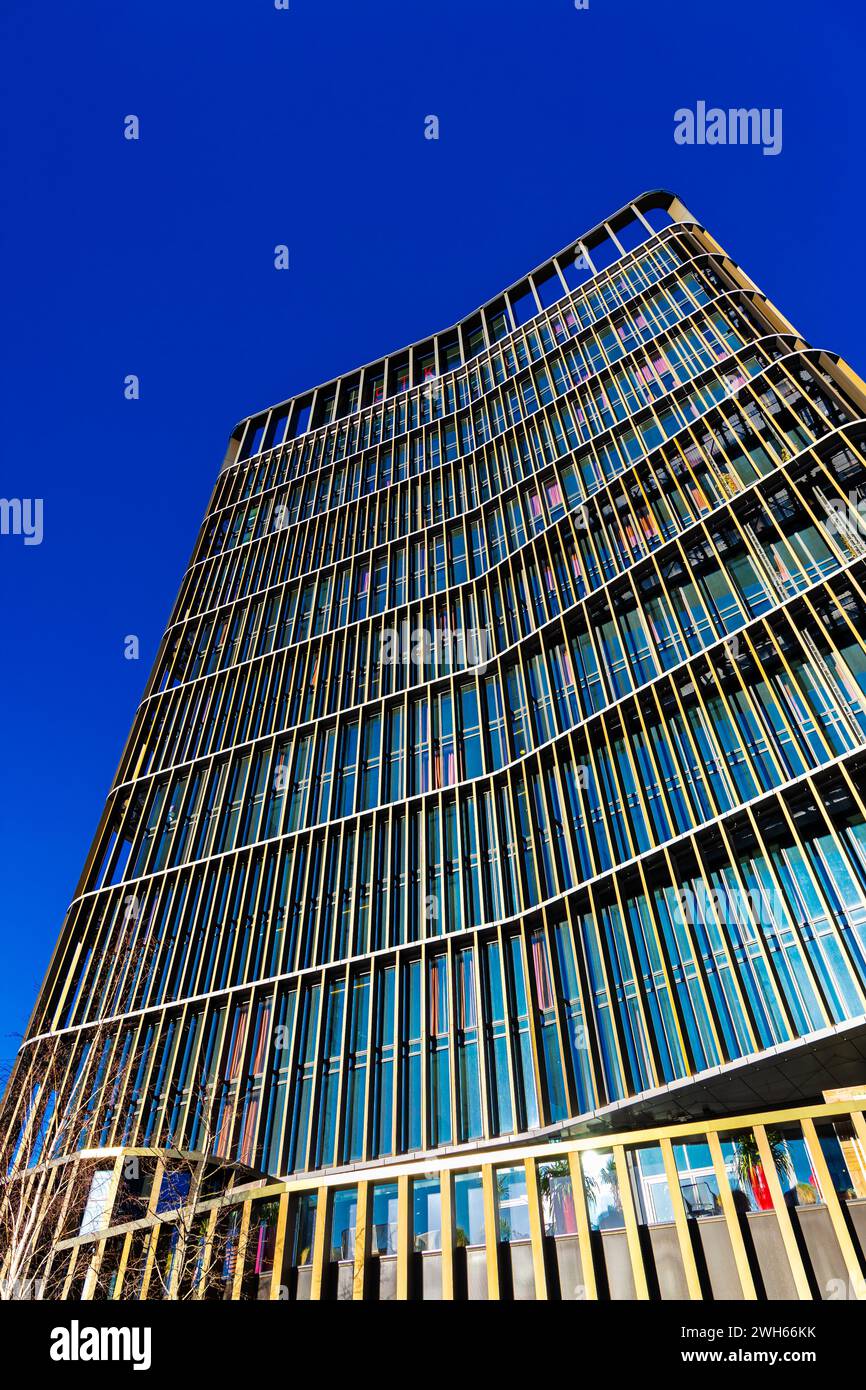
(792, 1162)
(96, 1211)
(356, 1062)
(343, 1220)
(384, 1238)
(305, 1228)
(524, 1073)
(469, 1093)
(411, 1059)
(601, 1186)
(698, 1185)
(655, 1197)
(262, 1237)
(439, 1047)
(468, 1209)
(470, 732)
(426, 1214)
(497, 1042)
(331, 1067)
(512, 1205)
(557, 1198)
(383, 1093)
(173, 1191)
(844, 1156)
(370, 763)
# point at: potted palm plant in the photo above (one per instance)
(750, 1170)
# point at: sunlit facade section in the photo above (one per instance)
(502, 772)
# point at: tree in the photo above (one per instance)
(193, 1218)
(59, 1106)
(52, 1099)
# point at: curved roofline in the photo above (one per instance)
(653, 197)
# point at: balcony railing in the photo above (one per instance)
(758, 1207)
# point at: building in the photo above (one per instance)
(484, 877)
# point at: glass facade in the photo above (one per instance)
(504, 759)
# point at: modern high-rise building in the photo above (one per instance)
(479, 907)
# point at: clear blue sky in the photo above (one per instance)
(261, 127)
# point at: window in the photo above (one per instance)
(370, 763)
(426, 1214)
(383, 1065)
(469, 1091)
(470, 732)
(344, 1216)
(356, 1063)
(512, 1205)
(496, 1042)
(305, 1228)
(440, 1050)
(346, 769)
(468, 1209)
(97, 1207)
(411, 1059)
(384, 1239)
(602, 1190)
(330, 1073)
(557, 1198)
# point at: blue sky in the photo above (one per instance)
(261, 126)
